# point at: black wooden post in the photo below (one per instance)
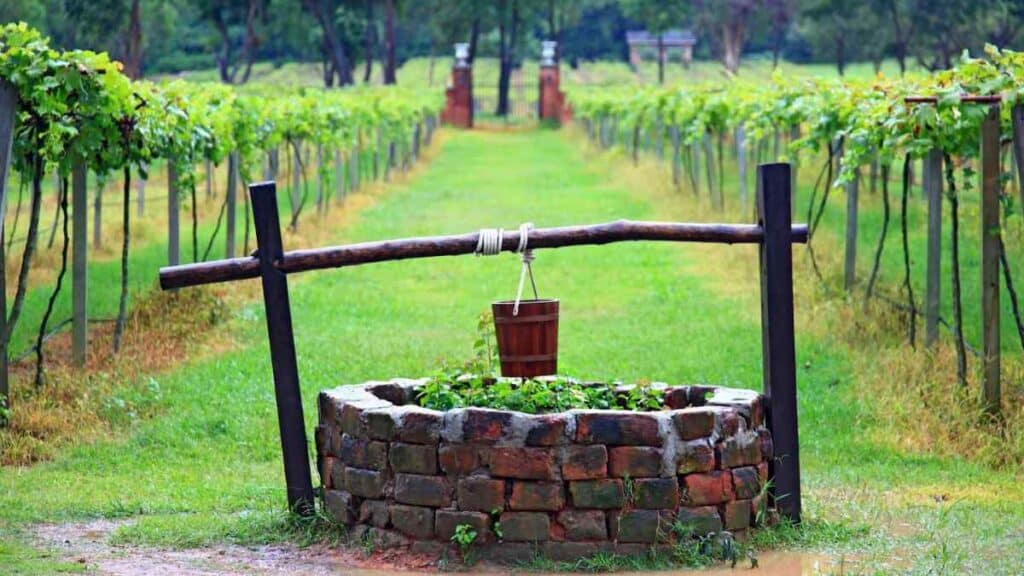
(777, 334)
(282, 348)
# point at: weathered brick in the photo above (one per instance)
(423, 490)
(677, 397)
(762, 472)
(747, 403)
(413, 458)
(335, 442)
(693, 423)
(699, 521)
(524, 463)
(339, 505)
(390, 391)
(366, 454)
(446, 521)
(322, 439)
(699, 394)
(379, 423)
(374, 513)
(728, 421)
(767, 444)
(634, 461)
(736, 514)
(525, 526)
(695, 456)
(580, 525)
(745, 482)
(485, 426)
(414, 521)
(325, 466)
(584, 462)
(656, 493)
(744, 449)
(548, 430)
(458, 459)
(536, 496)
(351, 411)
(337, 473)
(365, 483)
(419, 425)
(605, 494)
(642, 526)
(710, 488)
(758, 510)
(617, 428)
(481, 493)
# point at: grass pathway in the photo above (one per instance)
(208, 469)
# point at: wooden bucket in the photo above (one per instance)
(528, 342)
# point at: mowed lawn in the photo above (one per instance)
(208, 468)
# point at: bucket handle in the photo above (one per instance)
(489, 243)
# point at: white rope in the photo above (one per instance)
(489, 241)
(527, 255)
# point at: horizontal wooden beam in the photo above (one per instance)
(430, 247)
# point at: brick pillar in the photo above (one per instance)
(551, 105)
(459, 98)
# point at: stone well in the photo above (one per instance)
(567, 484)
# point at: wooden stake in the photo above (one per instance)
(232, 205)
(8, 117)
(79, 264)
(933, 290)
(852, 193)
(990, 233)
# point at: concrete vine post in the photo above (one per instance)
(990, 248)
(79, 264)
(140, 193)
(173, 217)
(852, 194)
(232, 205)
(933, 291)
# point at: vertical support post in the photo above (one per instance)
(140, 193)
(294, 448)
(209, 178)
(8, 117)
(79, 265)
(319, 178)
(97, 212)
(777, 335)
(173, 216)
(741, 162)
(990, 188)
(852, 193)
(1018, 148)
(933, 291)
(676, 168)
(794, 135)
(232, 205)
(339, 176)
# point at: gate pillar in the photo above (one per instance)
(551, 104)
(458, 110)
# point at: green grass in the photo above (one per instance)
(208, 468)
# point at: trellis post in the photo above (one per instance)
(852, 193)
(79, 264)
(777, 335)
(294, 448)
(173, 230)
(232, 205)
(990, 188)
(8, 117)
(933, 169)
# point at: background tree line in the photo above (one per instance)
(349, 37)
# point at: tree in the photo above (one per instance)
(509, 21)
(780, 14)
(901, 18)
(133, 42)
(226, 16)
(945, 28)
(324, 12)
(658, 17)
(389, 42)
(844, 29)
(727, 21)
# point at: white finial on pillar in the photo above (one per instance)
(462, 55)
(547, 52)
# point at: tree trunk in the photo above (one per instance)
(133, 43)
(732, 45)
(389, 42)
(474, 39)
(227, 75)
(335, 49)
(371, 34)
(661, 58)
(507, 43)
(841, 55)
(252, 40)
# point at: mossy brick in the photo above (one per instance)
(379, 423)
(548, 430)
(743, 449)
(536, 496)
(736, 514)
(340, 506)
(422, 490)
(447, 521)
(677, 397)
(582, 525)
(414, 521)
(413, 458)
(617, 428)
(693, 423)
(640, 526)
(351, 412)
(485, 426)
(459, 459)
(480, 493)
(745, 482)
(374, 513)
(525, 526)
(523, 463)
(634, 461)
(695, 456)
(584, 462)
(418, 425)
(709, 488)
(656, 493)
(366, 454)
(365, 483)
(699, 521)
(601, 494)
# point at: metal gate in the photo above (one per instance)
(523, 98)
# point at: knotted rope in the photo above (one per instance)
(489, 243)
